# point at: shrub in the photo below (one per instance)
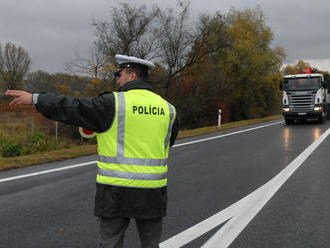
(39, 143)
(10, 149)
(37, 137)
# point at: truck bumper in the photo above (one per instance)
(303, 116)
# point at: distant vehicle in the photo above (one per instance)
(305, 96)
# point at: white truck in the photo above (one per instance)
(305, 96)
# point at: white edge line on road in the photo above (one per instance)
(243, 211)
(45, 171)
(93, 162)
(228, 134)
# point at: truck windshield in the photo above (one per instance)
(302, 83)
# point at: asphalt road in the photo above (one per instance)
(56, 209)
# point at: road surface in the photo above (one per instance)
(264, 185)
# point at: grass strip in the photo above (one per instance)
(211, 129)
(57, 155)
(84, 150)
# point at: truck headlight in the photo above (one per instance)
(286, 109)
(318, 108)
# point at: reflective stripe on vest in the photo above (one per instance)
(142, 172)
(133, 161)
(121, 124)
(131, 175)
(167, 140)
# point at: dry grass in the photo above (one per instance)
(23, 161)
(212, 129)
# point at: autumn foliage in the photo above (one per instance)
(241, 78)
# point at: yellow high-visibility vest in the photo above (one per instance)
(134, 151)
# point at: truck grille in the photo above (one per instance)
(301, 102)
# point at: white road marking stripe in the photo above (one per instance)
(228, 134)
(93, 162)
(243, 211)
(45, 171)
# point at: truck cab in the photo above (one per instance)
(305, 97)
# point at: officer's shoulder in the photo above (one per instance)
(106, 96)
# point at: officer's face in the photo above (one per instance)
(125, 77)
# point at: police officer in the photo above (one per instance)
(135, 128)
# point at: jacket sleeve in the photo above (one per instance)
(95, 114)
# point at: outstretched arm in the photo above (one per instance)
(95, 114)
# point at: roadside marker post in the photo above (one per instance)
(219, 118)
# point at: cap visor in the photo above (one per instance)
(117, 73)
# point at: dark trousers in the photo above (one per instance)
(112, 231)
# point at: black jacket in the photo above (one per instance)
(97, 114)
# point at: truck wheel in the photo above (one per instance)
(288, 122)
(321, 120)
(323, 117)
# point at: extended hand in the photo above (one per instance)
(20, 97)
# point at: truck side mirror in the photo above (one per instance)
(281, 85)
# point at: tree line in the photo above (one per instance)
(221, 61)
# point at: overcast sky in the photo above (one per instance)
(53, 31)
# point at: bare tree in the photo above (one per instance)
(96, 65)
(39, 81)
(182, 45)
(14, 64)
(166, 36)
(175, 40)
(98, 68)
(130, 32)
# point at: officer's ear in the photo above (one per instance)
(134, 75)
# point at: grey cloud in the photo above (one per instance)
(52, 31)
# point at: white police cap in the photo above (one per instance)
(126, 61)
